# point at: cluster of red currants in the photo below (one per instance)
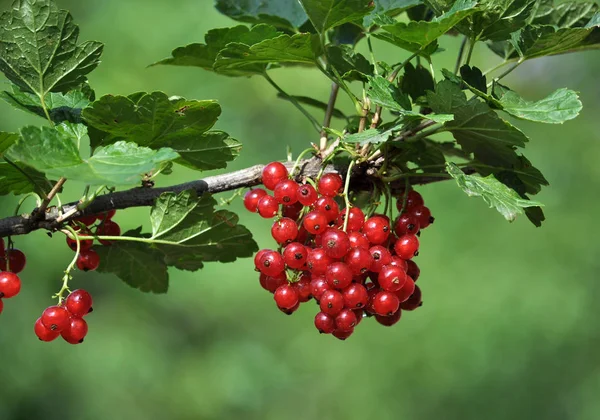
(354, 266)
(66, 320)
(12, 262)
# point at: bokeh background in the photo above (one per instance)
(509, 328)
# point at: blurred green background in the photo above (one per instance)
(509, 328)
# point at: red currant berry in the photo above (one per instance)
(43, 333)
(391, 278)
(108, 228)
(302, 235)
(78, 303)
(414, 301)
(338, 275)
(358, 240)
(55, 318)
(413, 270)
(15, 260)
(76, 331)
(356, 220)
(302, 287)
(307, 195)
(318, 286)
(273, 173)
(355, 296)
(87, 220)
(294, 255)
(271, 284)
(377, 230)
(10, 284)
(271, 263)
(328, 207)
(290, 310)
(406, 246)
(381, 256)
(385, 303)
(292, 211)
(258, 256)
(268, 206)
(335, 243)
(324, 323)
(407, 290)
(423, 215)
(342, 335)
(331, 302)
(399, 262)
(315, 222)
(359, 315)
(107, 215)
(84, 245)
(406, 223)
(372, 291)
(359, 260)
(345, 320)
(252, 197)
(413, 199)
(88, 260)
(286, 297)
(284, 230)
(317, 261)
(330, 185)
(388, 321)
(286, 192)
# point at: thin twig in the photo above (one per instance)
(328, 114)
(461, 52)
(57, 187)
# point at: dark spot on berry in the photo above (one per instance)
(327, 207)
(286, 199)
(431, 219)
(386, 228)
(376, 256)
(298, 256)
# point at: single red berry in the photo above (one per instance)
(84, 245)
(406, 223)
(107, 215)
(284, 230)
(328, 207)
(317, 261)
(108, 228)
(423, 215)
(399, 262)
(413, 270)
(88, 260)
(388, 321)
(78, 303)
(413, 199)
(292, 211)
(252, 197)
(318, 286)
(385, 303)
(391, 278)
(358, 240)
(381, 256)
(302, 287)
(355, 296)
(271, 284)
(76, 331)
(376, 229)
(294, 255)
(290, 310)
(331, 302)
(10, 284)
(345, 320)
(315, 222)
(359, 315)
(324, 323)
(406, 246)
(15, 261)
(43, 333)
(87, 220)
(338, 275)
(55, 318)
(307, 195)
(414, 301)
(258, 256)
(372, 291)
(359, 260)
(342, 335)
(286, 192)
(356, 220)
(302, 235)
(330, 185)
(268, 206)
(273, 173)
(286, 296)
(335, 243)
(407, 290)
(271, 263)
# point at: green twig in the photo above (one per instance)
(347, 194)
(299, 158)
(461, 52)
(67, 276)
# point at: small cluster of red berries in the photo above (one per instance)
(354, 268)
(12, 262)
(65, 319)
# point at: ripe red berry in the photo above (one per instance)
(345, 320)
(55, 318)
(107, 215)
(252, 197)
(79, 303)
(75, 331)
(423, 215)
(88, 260)
(399, 262)
(381, 256)
(355, 296)
(271, 284)
(286, 192)
(372, 290)
(14, 262)
(284, 230)
(413, 199)
(268, 206)
(43, 333)
(286, 297)
(406, 223)
(331, 302)
(328, 207)
(359, 315)
(87, 220)
(391, 278)
(413, 302)
(376, 229)
(318, 286)
(335, 243)
(292, 211)
(317, 261)
(271, 263)
(307, 195)
(359, 260)
(342, 335)
(315, 222)
(358, 240)
(294, 255)
(290, 310)
(330, 185)
(108, 228)
(356, 220)
(388, 321)
(406, 246)
(385, 303)
(324, 323)
(259, 255)
(84, 245)
(302, 287)
(10, 284)
(273, 173)
(407, 290)
(338, 275)
(413, 270)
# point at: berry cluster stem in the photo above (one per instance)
(67, 275)
(346, 194)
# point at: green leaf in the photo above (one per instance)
(39, 51)
(497, 19)
(384, 93)
(349, 64)
(416, 81)
(55, 153)
(446, 98)
(408, 46)
(305, 100)
(493, 192)
(370, 136)
(211, 150)
(20, 179)
(474, 77)
(421, 153)
(573, 14)
(286, 14)
(7, 140)
(327, 14)
(389, 8)
(560, 106)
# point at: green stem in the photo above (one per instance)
(438, 128)
(300, 156)
(411, 174)
(25, 197)
(472, 43)
(346, 194)
(500, 65)
(401, 66)
(70, 267)
(372, 54)
(461, 52)
(507, 72)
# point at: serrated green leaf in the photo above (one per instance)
(446, 98)
(370, 136)
(75, 131)
(416, 81)
(327, 14)
(497, 19)
(558, 107)
(39, 51)
(211, 150)
(20, 179)
(286, 14)
(413, 47)
(474, 77)
(7, 140)
(384, 93)
(305, 100)
(421, 153)
(572, 14)
(349, 64)
(493, 192)
(388, 8)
